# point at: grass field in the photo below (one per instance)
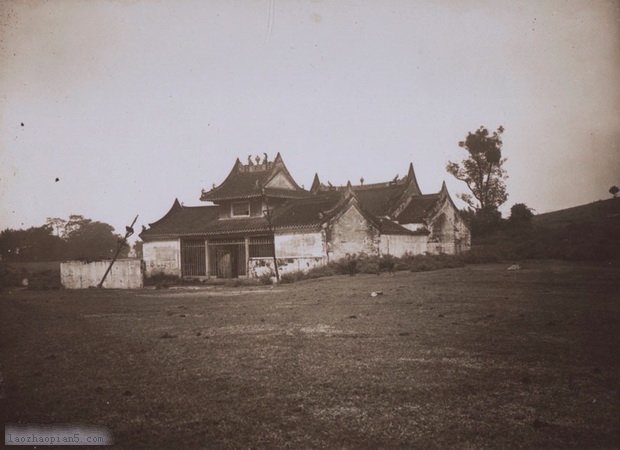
(469, 357)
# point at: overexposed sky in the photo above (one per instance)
(131, 103)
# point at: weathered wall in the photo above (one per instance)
(125, 274)
(294, 251)
(352, 234)
(263, 266)
(398, 245)
(449, 232)
(297, 245)
(162, 257)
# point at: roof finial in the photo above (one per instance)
(250, 163)
(349, 190)
(265, 159)
(412, 182)
(362, 181)
(257, 159)
(237, 167)
(316, 184)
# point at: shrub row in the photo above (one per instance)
(379, 264)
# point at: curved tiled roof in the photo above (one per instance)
(248, 181)
(379, 200)
(418, 208)
(304, 212)
(182, 220)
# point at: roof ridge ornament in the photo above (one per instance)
(413, 187)
(316, 184)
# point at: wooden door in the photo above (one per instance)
(224, 263)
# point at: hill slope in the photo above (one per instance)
(600, 211)
(586, 232)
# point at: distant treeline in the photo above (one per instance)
(60, 239)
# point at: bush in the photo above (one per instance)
(368, 264)
(292, 277)
(265, 278)
(387, 263)
(376, 265)
(346, 266)
(321, 271)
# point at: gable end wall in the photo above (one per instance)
(352, 234)
(449, 232)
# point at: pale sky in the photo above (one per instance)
(133, 103)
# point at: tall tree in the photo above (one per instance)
(91, 240)
(80, 238)
(482, 170)
(74, 223)
(57, 224)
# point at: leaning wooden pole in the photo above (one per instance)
(268, 217)
(121, 243)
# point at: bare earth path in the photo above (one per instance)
(471, 357)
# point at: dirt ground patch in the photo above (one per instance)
(469, 357)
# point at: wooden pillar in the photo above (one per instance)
(178, 257)
(247, 257)
(207, 258)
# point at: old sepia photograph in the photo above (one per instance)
(267, 224)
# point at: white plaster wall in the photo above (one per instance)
(352, 234)
(296, 245)
(449, 234)
(162, 257)
(125, 274)
(398, 245)
(294, 251)
(264, 266)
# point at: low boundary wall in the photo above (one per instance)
(125, 274)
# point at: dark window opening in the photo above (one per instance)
(261, 247)
(241, 209)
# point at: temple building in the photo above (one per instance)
(259, 212)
